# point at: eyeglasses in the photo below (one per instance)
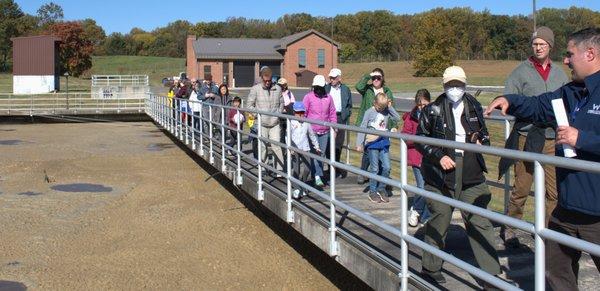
(541, 45)
(376, 78)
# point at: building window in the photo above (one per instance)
(302, 58)
(207, 71)
(321, 58)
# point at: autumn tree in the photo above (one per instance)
(75, 49)
(49, 13)
(434, 48)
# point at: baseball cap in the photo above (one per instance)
(319, 80)
(335, 72)
(454, 73)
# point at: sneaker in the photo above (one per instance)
(510, 238)
(413, 218)
(343, 174)
(318, 181)
(433, 277)
(374, 197)
(362, 180)
(296, 194)
(384, 198)
(304, 194)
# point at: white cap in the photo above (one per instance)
(319, 80)
(335, 72)
(454, 73)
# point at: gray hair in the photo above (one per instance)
(588, 36)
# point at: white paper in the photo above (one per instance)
(562, 120)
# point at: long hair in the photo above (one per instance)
(379, 70)
(226, 90)
(422, 94)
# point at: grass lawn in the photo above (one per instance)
(155, 67)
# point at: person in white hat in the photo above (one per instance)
(319, 106)
(456, 116)
(342, 99)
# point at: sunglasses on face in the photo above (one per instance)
(378, 78)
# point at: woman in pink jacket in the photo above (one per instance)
(319, 105)
(418, 212)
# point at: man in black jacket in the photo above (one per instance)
(456, 116)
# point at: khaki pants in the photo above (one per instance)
(272, 133)
(524, 180)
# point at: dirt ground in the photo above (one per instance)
(119, 206)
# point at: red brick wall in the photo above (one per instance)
(216, 69)
(191, 65)
(311, 44)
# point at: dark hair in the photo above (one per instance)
(223, 85)
(379, 70)
(236, 99)
(590, 36)
(422, 94)
(319, 91)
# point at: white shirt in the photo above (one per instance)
(377, 91)
(301, 132)
(336, 94)
(461, 135)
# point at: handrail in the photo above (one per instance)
(159, 108)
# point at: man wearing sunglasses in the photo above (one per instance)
(369, 86)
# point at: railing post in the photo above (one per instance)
(260, 193)
(178, 111)
(508, 172)
(201, 122)
(211, 158)
(193, 130)
(347, 142)
(187, 124)
(288, 144)
(223, 150)
(31, 105)
(239, 150)
(333, 245)
(403, 216)
(540, 224)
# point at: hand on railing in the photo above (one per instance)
(500, 102)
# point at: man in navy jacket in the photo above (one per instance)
(578, 211)
(342, 99)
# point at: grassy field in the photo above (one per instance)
(155, 67)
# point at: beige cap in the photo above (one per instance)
(282, 81)
(335, 72)
(454, 73)
(319, 80)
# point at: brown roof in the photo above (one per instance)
(248, 48)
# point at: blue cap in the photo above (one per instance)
(299, 107)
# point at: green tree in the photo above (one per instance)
(13, 23)
(434, 47)
(49, 13)
(115, 44)
(95, 34)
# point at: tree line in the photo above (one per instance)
(431, 39)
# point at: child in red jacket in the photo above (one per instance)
(418, 212)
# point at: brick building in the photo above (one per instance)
(236, 61)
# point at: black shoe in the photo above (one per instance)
(511, 241)
(362, 180)
(434, 277)
(343, 174)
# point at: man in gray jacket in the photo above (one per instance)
(533, 77)
(266, 97)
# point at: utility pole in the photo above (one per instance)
(534, 20)
(332, 47)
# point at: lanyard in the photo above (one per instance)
(580, 104)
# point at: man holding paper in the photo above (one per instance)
(578, 210)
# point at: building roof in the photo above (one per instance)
(41, 37)
(248, 48)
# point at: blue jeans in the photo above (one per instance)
(419, 203)
(379, 163)
(323, 140)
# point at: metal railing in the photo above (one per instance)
(67, 103)
(170, 117)
(119, 80)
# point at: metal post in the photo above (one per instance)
(347, 147)
(223, 150)
(508, 172)
(201, 121)
(193, 131)
(260, 194)
(540, 224)
(211, 157)
(239, 150)
(333, 246)
(403, 216)
(187, 124)
(288, 143)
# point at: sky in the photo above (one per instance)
(122, 16)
